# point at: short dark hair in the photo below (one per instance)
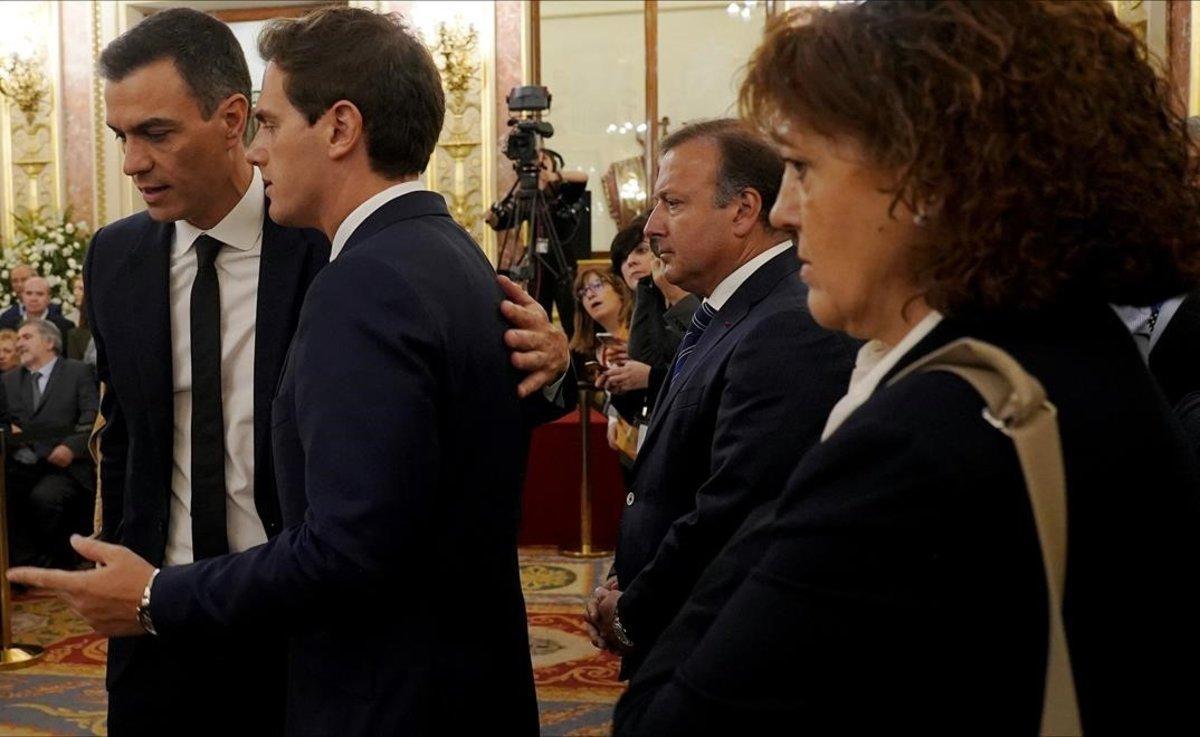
(375, 62)
(625, 241)
(203, 49)
(748, 161)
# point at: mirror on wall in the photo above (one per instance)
(593, 60)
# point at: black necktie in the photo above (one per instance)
(208, 426)
(37, 388)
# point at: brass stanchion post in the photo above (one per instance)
(585, 483)
(11, 656)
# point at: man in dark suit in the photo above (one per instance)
(35, 304)
(12, 317)
(186, 470)
(398, 443)
(52, 400)
(749, 390)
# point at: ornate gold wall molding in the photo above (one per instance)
(29, 144)
(98, 126)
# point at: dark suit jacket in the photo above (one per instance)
(898, 586)
(69, 402)
(752, 398)
(11, 318)
(399, 444)
(127, 278)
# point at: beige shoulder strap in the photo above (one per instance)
(1017, 406)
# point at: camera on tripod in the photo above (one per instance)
(527, 128)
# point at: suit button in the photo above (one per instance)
(629, 499)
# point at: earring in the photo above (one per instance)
(920, 218)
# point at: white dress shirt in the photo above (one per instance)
(723, 291)
(1137, 320)
(237, 266)
(44, 372)
(875, 359)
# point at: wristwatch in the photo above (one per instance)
(143, 610)
(619, 630)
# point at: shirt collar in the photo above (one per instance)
(45, 369)
(730, 284)
(359, 214)
(241, 228)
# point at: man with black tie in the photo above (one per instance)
(52, 401)
(748, 392)
(193, 305)
(398, 437)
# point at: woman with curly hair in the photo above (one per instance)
(990, 170)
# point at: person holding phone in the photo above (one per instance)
(601, 334)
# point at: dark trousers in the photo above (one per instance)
(46, 504)
(550, 289)
(160, 687)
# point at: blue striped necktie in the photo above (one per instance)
(700, 321)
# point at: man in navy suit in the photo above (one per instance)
(179, 393)
(749, 390)
(12, 318)
(397, 433)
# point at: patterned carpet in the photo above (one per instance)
(577, 685)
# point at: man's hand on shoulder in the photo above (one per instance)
(539, 348)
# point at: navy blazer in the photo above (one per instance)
(11, 318)
(399, 445)
(897, 585)
(751, 400)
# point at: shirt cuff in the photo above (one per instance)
(551, 391)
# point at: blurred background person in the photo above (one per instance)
(944, 182)
(80, 345)
(9, 359)
(53, 401)
(604, 305)
(12, 318)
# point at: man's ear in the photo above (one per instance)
(749, 211)
(234, 113)
(345, 128)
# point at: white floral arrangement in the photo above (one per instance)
(54, 248)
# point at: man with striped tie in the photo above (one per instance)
(747, 394)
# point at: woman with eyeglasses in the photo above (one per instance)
(603, 308)
(998, 171)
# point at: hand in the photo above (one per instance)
(539, 347)
(601, 609)
(615, 355)
(61, 456)
(657, 270)
(107, 596)
(630, 376)
(16, 430)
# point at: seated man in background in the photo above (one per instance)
(36, 305)
(11, 318)
(52, 403)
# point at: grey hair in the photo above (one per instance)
(48, 331)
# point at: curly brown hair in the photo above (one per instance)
(1046, 148)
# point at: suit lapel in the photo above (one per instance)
(148, 316)
(290, 257)
(760, 284)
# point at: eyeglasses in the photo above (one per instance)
(588, 289)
